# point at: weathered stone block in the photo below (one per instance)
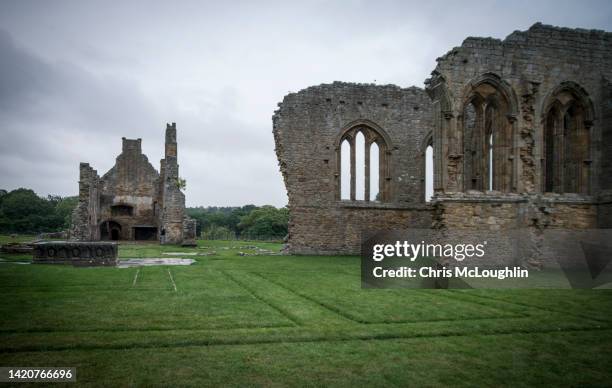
(76, 253)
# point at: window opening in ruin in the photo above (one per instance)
(569, 162)
(362, 162)
(374, 172)
(360, 167)
(566, 146)
(429, 173)
(491, 162)
(550, 137)
(471, 140)
(487, 131)
(345, 174)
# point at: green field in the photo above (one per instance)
(292, 320)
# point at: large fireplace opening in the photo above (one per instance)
(145, 233)
(122, 210)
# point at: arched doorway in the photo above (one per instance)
(110, 230)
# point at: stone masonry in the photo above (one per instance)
(520, 131)
(132, 201)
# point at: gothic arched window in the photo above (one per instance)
(362, 165)
(566, 155)
(487, 139)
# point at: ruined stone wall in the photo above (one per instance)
(85, 215)
(337, 230)
(511, 221)
(307, 128)
(495, 212)
(605, 211)
(189, 231)
(132, 200)
(173, 204)
(527, 67)
(132, 182)
(519, 79)
(173, 199)
(605, 196)
(530, 70)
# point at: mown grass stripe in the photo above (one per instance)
(248, 289)
(135, 277)
(172, 280)
(317, 338)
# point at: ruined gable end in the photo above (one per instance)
(133, 201)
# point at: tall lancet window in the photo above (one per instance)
(567, 142)
(429, 173)
(487, 133)
(363, 166)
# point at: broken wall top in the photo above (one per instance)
(132, 173)
(308, 126)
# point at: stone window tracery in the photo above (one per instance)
(487, 140)
(566, 155)
(363, 165)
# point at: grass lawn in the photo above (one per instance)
(243, 320)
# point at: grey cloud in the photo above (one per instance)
(77, 76)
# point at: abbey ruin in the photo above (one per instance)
(519, 132)
(133, 201)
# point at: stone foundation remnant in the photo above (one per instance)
(16, 248)
(513, 133)
(133, 201)
(76, 253)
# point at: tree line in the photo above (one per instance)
(245, 222)
(23, 211)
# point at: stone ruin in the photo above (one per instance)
(133, 201)
(77, 253)
(520, 133)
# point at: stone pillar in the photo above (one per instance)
(173, 201)
(85, 216)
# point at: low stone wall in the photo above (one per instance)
(605, 210)
(76, 253)
(16, 248)
(504, 219)
(337, 230)
(63, 235)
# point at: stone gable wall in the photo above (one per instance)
(155, 199)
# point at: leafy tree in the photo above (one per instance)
(22, 211)
(214, 232)
(265, 222)
(64, 209)
(228, 217)
(181, 183)
(247, 221)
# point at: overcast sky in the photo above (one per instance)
(76, 76)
